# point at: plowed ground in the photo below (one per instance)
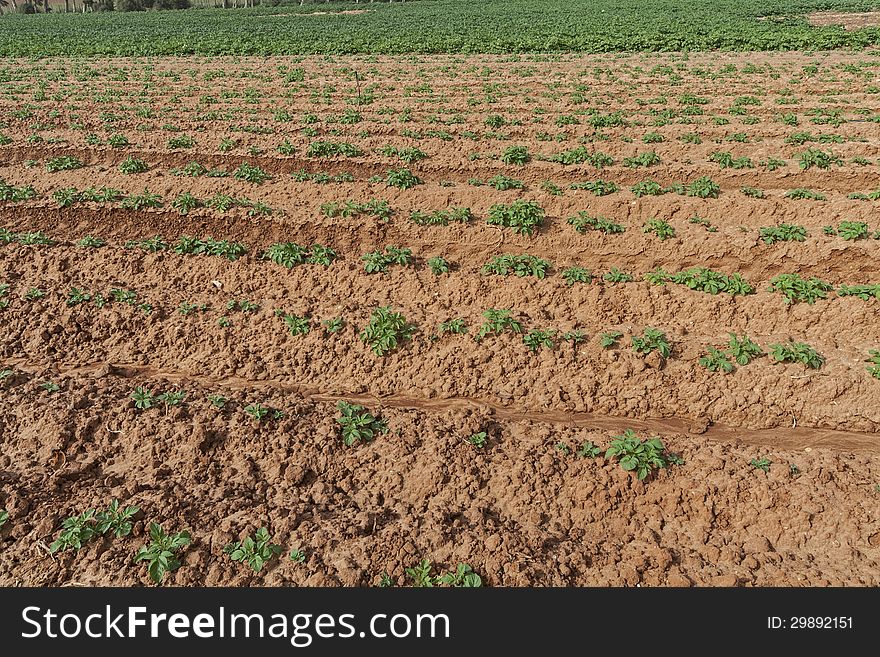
(525, 509)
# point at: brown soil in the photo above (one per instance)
(523, 510)
(848, 20)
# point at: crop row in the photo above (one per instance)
(387, 330)
(792, 287)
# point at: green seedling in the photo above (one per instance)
(523, 217)
(498, 322)
(588, 450)
(257, 411)
(454, 326)
(218, 401)
(660, 228)
(116, 519)
(652, 340)
(478, 439)
(358, 424)
(742, 349)
(535, 339)
(796, 352)
(161, 552)
(76, 531)
(255, 551)
(761, 464)
(617, 276)
(583, 222)
(609, 339)
(333, 325)
(438, 265)
(521, 265)
(716, 361)
(635, 455)
(143, 398)
(795, 289)
(386, 330)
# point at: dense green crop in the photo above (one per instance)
(463, 26)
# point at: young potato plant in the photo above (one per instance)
(441, 217)
(617, 276)
(333, 325)
(258, 412)
(456, 326)
(502, 183)
(796, 352)
(256, 551)
(78, 530)
(478, 439)
(378, 262)
(851, 231)
(521, 265)
(536, 338)
(161, 551)
(609, 339)
(463, 576)
(815, 157)
(290, 254)
(704, 280)
(498, 321)
(358, 424)
(635, 455)
(743, 349)
(132, 165)
(588, 450)
(63, 163)
(716, 361)
(251, 174)
(295, 324)
(795, 289)
(652, 339)
(583, 222)
(659, 227)
(597, 187)
(386, 330)
(577, 274)
(783, 233)
(801, 193)
(703, 187)
(438, 265)
(402, 179)
(705, 223)
(516, 155)
(380, 210)
(863, 292)
(523, 217)
(187, 245)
